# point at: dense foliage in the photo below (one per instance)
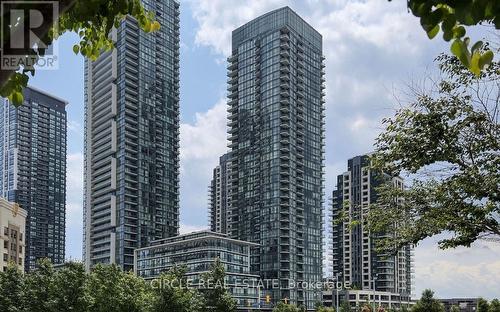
(452, 18)
(283, 307)
(104, 289)
(91, 19)
(428, 303)
(217, 299)
(320, 308)
(448, 141)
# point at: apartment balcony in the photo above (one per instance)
(285, 53)
(285, 45)
(285, 69)
(300, 48)
(233, 108)
(284, 85)
(285, 93)
(285, 157)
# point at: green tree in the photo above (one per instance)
(428, 303)
(455, 308)
(321, 308)
(41, 294)
(283, 307)
(71, 289)
(217, 298)
(345, 307)
(12, 289)
(451, 17)
(172, 294)
(448, 140)
(115, 291)
(482, 305)
(91, 19)
(494, 305)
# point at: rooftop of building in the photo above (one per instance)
(13, 207)
(277, 19)
(195, 236)
(44, 93)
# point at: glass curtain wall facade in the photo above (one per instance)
(198, 252)
(132, 140)
(33, 170)
(276, 133)
(353, 249)
(219, 193)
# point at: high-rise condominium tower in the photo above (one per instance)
(220, 199)
(276, 125)
(33, 170)
(354, 257)
(132, 140)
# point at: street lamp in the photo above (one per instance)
(374, 288)
(337, 289)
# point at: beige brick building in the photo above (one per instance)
(12, 234)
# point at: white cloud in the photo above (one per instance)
(75, 127)
(458, 272)
(74, 187)
(74, 203)
(206, 138)
(202, 143)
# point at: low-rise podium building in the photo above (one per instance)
(198, 251)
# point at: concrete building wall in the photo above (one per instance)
(12, 234)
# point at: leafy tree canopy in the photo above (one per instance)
(452, 18)
(171, 294)
(482, 305)
(283, 307)
(105, 289)
(217, 298)
(448, 140)
(320, 308)
(345, 307)
(428, 303)
(92, 20)
(494, 305)
(455, 308)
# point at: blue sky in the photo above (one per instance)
(373, 49)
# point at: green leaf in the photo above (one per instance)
(155, 26)
(76, 49)
(16, 98)
(486, 59)
(433, 32)
(447, 35)
(459, 49)
(474, 63)
(476, 46)
(23, 79)
(456, 48)
(458, 31)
